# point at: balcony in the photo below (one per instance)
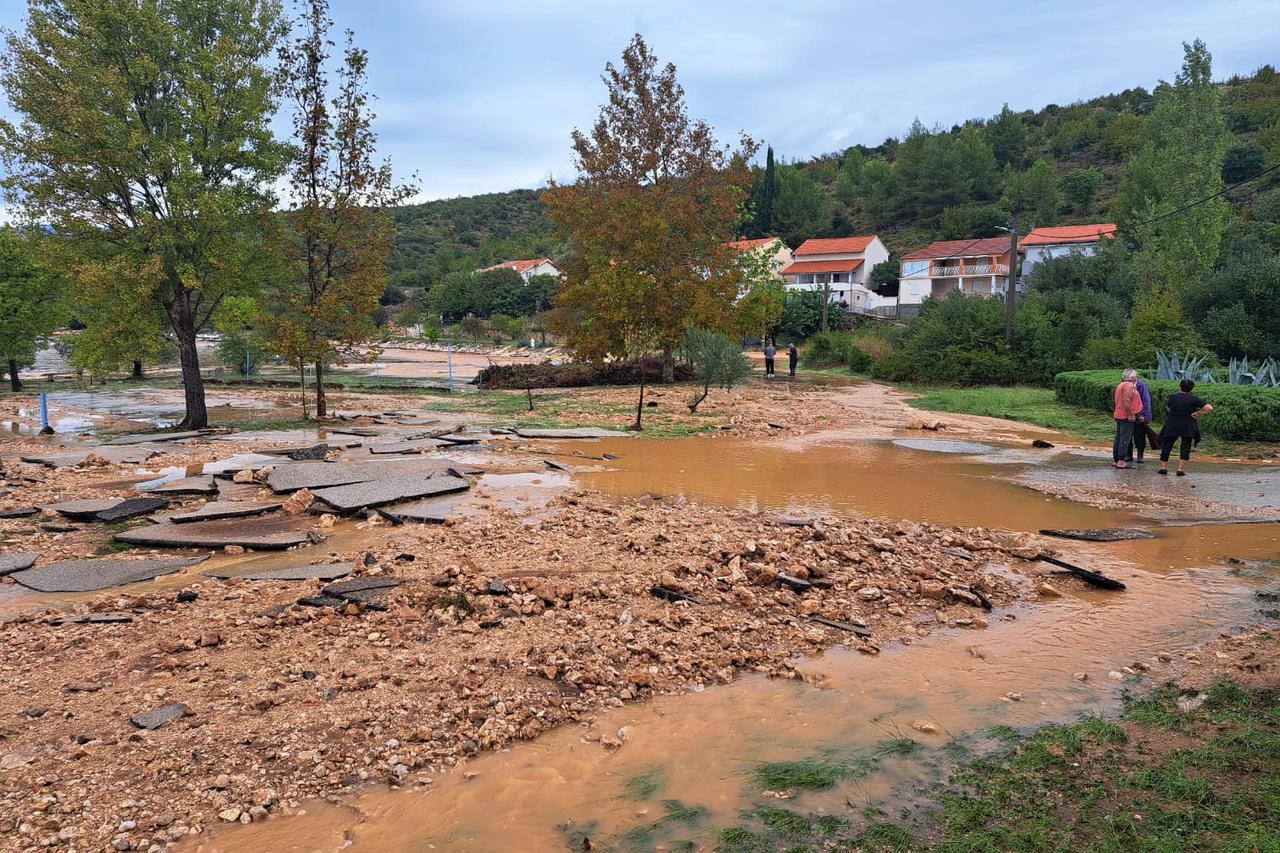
(957, 270)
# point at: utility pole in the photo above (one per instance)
(1011, 288)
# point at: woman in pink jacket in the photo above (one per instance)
(1128, 408)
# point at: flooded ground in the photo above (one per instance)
(1061, 658)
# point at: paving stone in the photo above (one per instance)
(82, 509)
(132, 508)
(20, 512)
(103, 573)
(201, 484)
(577, 432)
(161, 716)
(390, 490)
(143, 438)
(224, 509)
(325, 572)
(16, 561)
(268, 534)
(317, 475)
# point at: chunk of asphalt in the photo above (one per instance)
(240, 462)
(417, 445)
(83, 509)
(143, 438)
(59, 528)
(16, 561)
(305, 454)
(268, 534)
(1112, 534)
(161, 716)
(327, 572)
(843, 626)
(390, 490)
(72, 459)
(20, 512)
(94, 619)
(463, 437)
(201, 484)
(576, 432)
(132, 508)
(103, 573)
(215, 510)
(319, 475)
(364, 590)
(432, 511)
(322, 601)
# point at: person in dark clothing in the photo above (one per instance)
(1185, 409)
(769, 352)
(793, 355)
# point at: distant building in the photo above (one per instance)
(1055, 242)
(976, 267)
(842, 263)
(771, 247)
(527, 269)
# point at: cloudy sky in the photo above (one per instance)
(480, 95)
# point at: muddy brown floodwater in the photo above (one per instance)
(700, 748)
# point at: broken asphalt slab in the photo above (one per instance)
(16, 561)
(143, 438)
(19, 512)
(94, 619)
(267, 534)
(215, 510)
(241, 462)
(575, 432)
(318, 475)
(161, 716)
(326, 572)
(75, 458)
(132, 508)
(87, 508)
(1117, 534)
(361, 590)
(201, 484)
(90, 575)
(432, 511)
(390, 490)
(417, 445)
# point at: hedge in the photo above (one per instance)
(575, 374)
(1240, 412)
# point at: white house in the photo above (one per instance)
(979, 267)
(1055, 242)
(527, 269)
(842, 263)
(777, 252)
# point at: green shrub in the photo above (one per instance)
(836, 349)
(957, 341)
(1243, 413)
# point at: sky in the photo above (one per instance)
(480, 96)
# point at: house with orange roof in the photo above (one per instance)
(527, 269)
(978, 267)
(842, 264)
(773, 249)
(1054, 242)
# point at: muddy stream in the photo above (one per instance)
(700, 748)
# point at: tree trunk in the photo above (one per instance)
(302, 384)
(197, 416)
(637, 426)
(321, 409)
(668, 365)
(15, 384)
(137, 369)
(697, 401)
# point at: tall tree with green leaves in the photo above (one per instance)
(142, 135)
(655, 200)
(766, 196)
(31, 306)
(338, 230)
(1008, 138)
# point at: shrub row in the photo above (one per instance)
(1243, 413)
(835, 349)
(575, 374)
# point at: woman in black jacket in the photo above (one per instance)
(1184, 409)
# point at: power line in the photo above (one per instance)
(1206, 199)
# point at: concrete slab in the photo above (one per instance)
(215, 510)
(132, 508)
(90, 575)
(143, 438)
(267, 534)
(16, 561)
(577, 432)
(87, 508)
(327, 572)
(201, 484)
(318, 475)
(390, 490)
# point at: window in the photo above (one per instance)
(915, 269)
(806, 278)
(839, 278)
(915, 290)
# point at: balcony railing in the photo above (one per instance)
(954, 270)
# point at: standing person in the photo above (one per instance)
(1128, 408)
(1141, 427)
(1185, 409)
(793, 355)
(769, 352)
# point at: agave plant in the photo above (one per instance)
(1175, 367)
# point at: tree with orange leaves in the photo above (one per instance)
(655, 200)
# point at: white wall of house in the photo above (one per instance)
(1036, 254)
(544, 268)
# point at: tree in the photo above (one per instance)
(849, 181)
(877, 191)
(31, 306)
(656, 196)
(471, 326)
(802, 208)
(1080, 186)
(338, 233)
(143, 135)
(716, 361)
(761, 295)
(1242, 161)
(885, 275)
(976, 158)
(766, 194)
(1035, 192)
(1008, 138)
(453, 297)
(1157, 323)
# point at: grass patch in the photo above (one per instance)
(645, 785)
(676, 814)
(799, 775)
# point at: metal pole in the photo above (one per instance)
(1011, 283)
(45, 429)
(450, 350)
